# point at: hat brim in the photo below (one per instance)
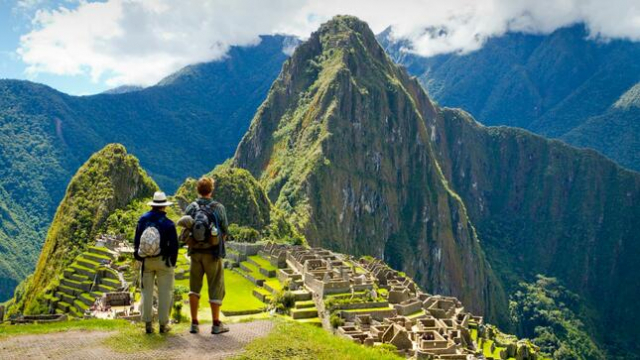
(162, 204)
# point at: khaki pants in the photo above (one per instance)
(202, 264)
(155, 268)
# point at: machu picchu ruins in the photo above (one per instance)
(376, 304)
(360, 299)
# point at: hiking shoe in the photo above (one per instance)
(219, 329)
(195, 328)
(164, 329)
(148, 328)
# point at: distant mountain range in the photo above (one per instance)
(561, 85)
(181, 127)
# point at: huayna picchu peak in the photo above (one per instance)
(342, 147)
(353, 149)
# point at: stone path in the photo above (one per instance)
(79, 345)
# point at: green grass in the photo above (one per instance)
(263, 263)
(101, 249)
(369, 309)
(292, 340)
(307, 303)
(78, 266)
(100, 256)
(87, 296)
(345, 295)
(486, 349)
(274, 283)
(132, 339)
(239, 293)
(82, 305)
(93, 324)
(262, 291)
(238, 297)
(253, 270)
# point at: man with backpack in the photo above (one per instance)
(156, 246)
(206, 249)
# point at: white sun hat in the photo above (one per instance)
(159, 200)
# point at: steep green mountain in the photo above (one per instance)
(553, 85)
(189, 122)
(615, 132)
(361, 159)
(543, 207)
(341, 146)
(109, 180)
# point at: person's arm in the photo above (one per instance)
(224, 222)
(136, 241)
(173, 245)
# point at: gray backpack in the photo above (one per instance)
(205, 227)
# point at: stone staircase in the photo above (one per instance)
(83, 281)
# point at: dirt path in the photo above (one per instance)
(79, 345)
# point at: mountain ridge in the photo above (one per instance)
(550, 84)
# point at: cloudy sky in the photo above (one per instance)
(84, 47)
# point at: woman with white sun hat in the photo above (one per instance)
(156, 246)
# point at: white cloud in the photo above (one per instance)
(141, 41)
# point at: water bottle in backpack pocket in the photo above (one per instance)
(150, 241)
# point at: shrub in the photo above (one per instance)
(244, 233)
(283, 301)
(336, 321)
(178, 291)
(177, 311)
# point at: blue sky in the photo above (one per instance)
(15, 20)
(86, 46)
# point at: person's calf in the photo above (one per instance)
(194, 299)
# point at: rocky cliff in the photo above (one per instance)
(543, 207)
(341, 145)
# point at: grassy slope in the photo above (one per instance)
(291, 340)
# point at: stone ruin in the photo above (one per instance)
(116, 243)
(109, 299)
(30, 319)
(418, 324)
